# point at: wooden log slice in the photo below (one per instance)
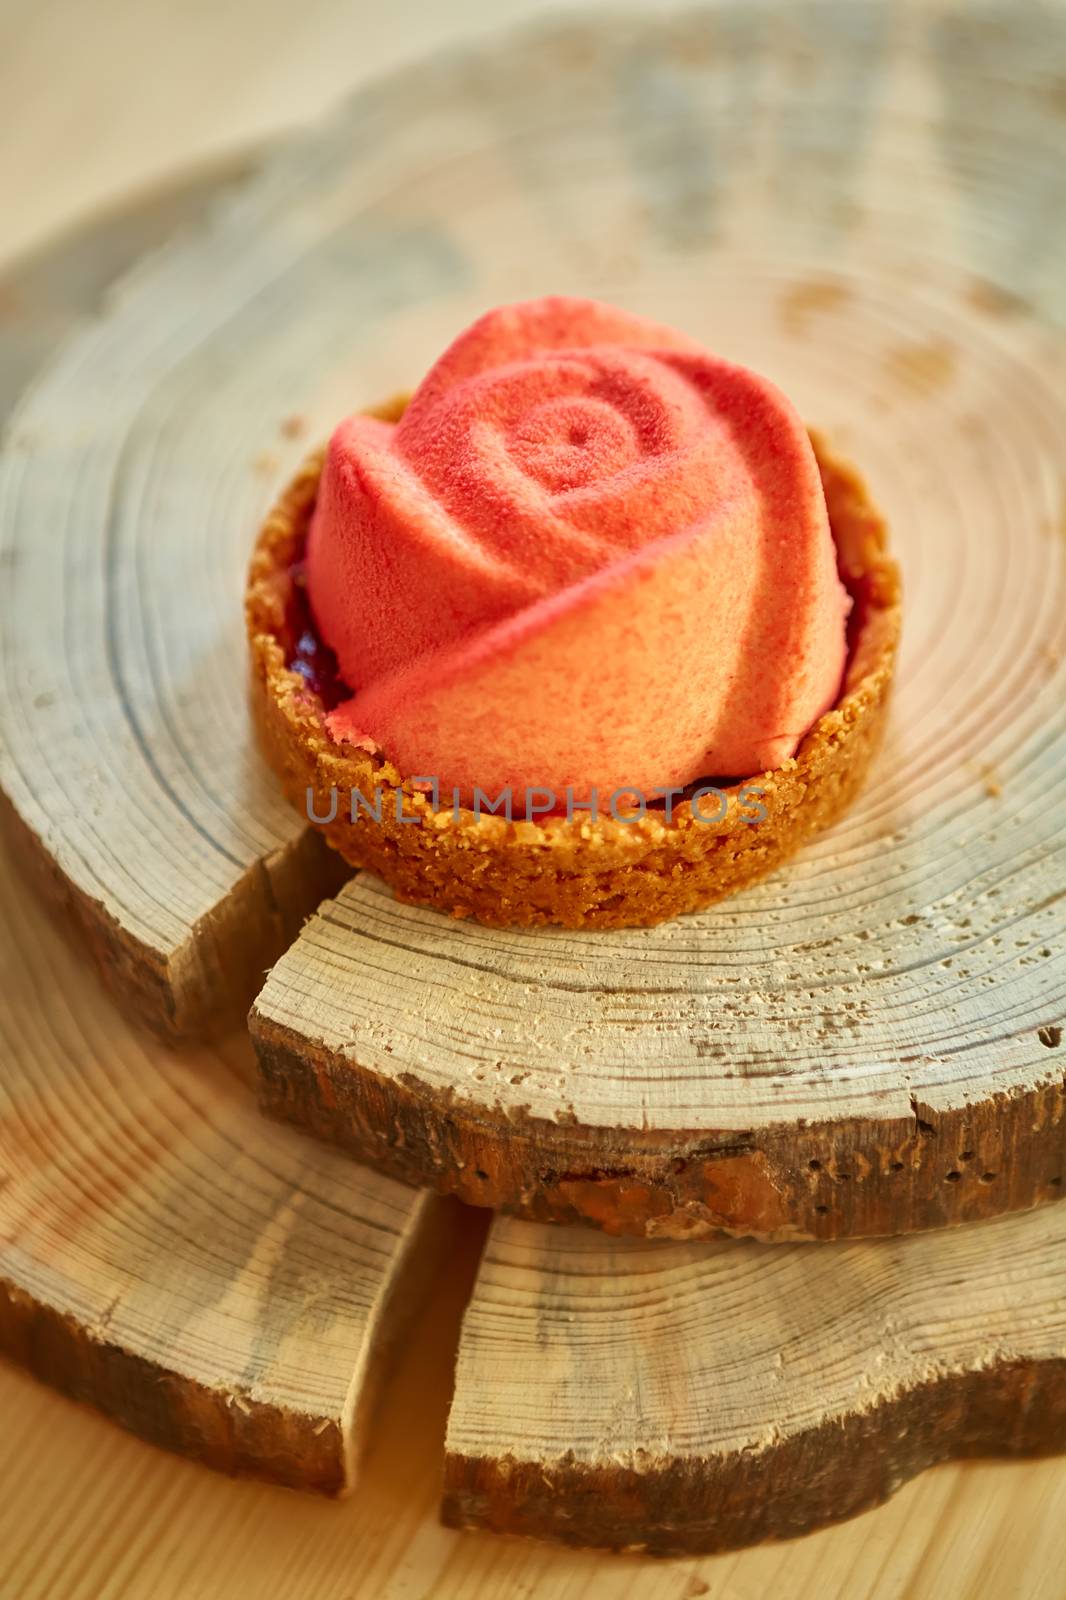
(614, 160)
(643, 1083)
(870, 1041)
(660, 1399)
(224, 1288)
(907, 974)
(163, 1256)
(179, 910)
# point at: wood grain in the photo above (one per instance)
(603, 159)
(661, 1399)
(87, 1510)
(872, 1039)
(220, 1287)
(620, 1079)
(179, 976)
(51, 291)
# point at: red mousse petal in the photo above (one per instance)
(590, 555)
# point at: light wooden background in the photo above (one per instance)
(99, 99)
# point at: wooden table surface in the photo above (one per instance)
(98, 100)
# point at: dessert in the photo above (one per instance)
(589, 631)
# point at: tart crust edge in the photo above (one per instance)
(576, 872)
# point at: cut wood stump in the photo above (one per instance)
(869, 1043)
(164, 1256)
(673, 1401)
(739, 1071)
(223, 1288)
(138, 466)
(139, 812)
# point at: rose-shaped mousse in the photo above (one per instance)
(590, 555)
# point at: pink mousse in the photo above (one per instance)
(590, 555)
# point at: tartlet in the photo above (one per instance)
(574, 871)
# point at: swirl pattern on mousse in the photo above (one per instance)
(589, 555)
